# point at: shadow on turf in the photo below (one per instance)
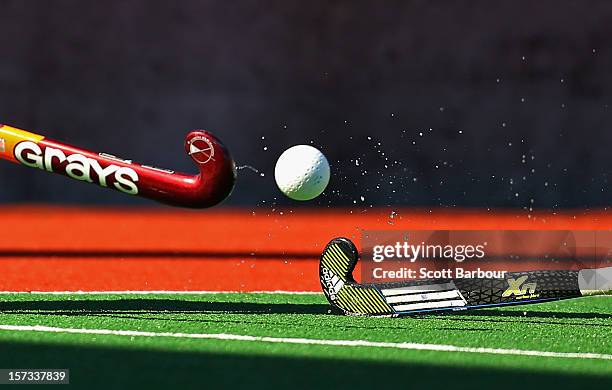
(543, 317)
(529, 313)
(118, 306)
(135, 308)
(148, 254)
(94, 367)
(180, 306)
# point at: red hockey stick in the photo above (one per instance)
(211, 186)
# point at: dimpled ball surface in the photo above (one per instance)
(302, 172)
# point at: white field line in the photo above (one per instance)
(179, 292)
(303, 341)
(159, 292)
(185, 292)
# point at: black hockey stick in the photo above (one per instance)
(395, 299)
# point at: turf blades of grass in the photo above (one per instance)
(582, 325)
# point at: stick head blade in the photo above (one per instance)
(336, 267)
(340, 288)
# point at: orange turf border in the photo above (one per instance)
(46, 248)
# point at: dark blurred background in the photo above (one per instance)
(417, 103)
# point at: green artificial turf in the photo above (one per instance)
(110, 361)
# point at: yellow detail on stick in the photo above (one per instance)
(11, 136)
